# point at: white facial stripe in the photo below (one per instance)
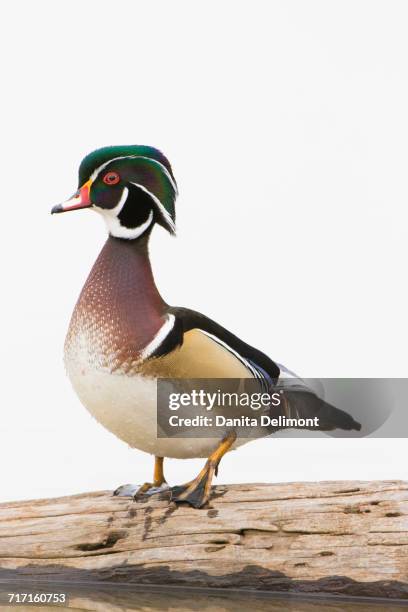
(121, 202)
(166, 216)
(113, 212)
(159, 338)
(115, 228)
(101, 167)
(96, 172)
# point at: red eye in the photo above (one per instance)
(111, 178)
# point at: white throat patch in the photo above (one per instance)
(115, 228)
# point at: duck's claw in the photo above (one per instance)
(148, 489)
(138, 491)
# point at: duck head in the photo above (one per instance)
(132, 187)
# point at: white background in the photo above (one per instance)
(287, 127)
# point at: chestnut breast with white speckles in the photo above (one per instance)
(118, 312)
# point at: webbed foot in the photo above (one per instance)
(197, 492)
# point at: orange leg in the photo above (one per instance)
(197, 491)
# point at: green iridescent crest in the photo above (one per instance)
(101, 156)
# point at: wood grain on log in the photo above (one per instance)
(338, 538)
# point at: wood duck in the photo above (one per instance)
(123, 336)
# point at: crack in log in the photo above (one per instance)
(108, 542)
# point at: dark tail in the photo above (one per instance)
(300, 402)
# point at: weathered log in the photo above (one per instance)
(331, 538)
